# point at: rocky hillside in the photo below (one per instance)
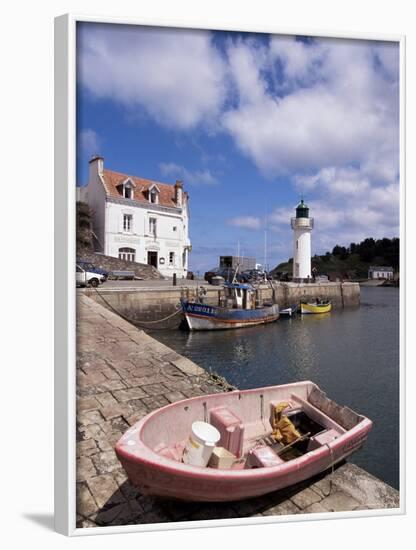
(109, 263)
(353, 261)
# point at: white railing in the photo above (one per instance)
(301, 223)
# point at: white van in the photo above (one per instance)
(88, 278)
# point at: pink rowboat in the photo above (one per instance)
(151, 450)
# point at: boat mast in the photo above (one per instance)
(265, 243)
(238, 263)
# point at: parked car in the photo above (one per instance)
(251, 276)
(88, 278)
(226, 272)
(281, 276)
(91, 268)
(210, 274)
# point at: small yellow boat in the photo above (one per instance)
(320, 306)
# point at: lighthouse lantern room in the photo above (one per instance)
(302, 226)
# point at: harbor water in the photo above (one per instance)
(352, 354)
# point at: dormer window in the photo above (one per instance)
(126, 188)
(154, 194)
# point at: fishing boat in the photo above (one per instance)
(319, 306)
(239, 308)
(248, 458)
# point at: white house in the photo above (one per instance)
(380, 272)
(140, 220)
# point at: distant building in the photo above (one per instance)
(139, 220)
(234, 261)
(380, 272)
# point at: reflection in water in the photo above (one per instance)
(353, 354)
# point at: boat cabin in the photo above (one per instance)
(238, 295)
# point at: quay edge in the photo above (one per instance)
(148, 305)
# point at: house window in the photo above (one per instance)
(128, 254)
(171, 258)
(154, 196)
(175, 228)
(128, 192)
(127, 222)
(152, 226)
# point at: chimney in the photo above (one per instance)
(96, 167)
(178, 192)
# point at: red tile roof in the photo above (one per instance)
(114, 179)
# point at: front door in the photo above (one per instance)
(152, 259)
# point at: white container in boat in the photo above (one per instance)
(200, 444)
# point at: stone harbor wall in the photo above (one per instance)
(147, 305)
(123, 374)
(142, 271)
(341, 294)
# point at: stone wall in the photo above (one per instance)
(109, 263)
(146, 307)
(341, 294)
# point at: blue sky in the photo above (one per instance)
(250, 123)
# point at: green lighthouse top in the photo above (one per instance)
(302, 210)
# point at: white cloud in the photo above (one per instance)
(331, 125)
(296, 106)
(176, 76)
(388, 55)
(88, 142)
(337, 181)
(345, 207)
(339, 110)
(323, 113)
(191, 177)
(246, 222)
(298, 58)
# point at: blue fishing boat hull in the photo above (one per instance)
(205, 317)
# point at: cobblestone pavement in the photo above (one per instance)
(122, 374)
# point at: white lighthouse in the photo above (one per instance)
(302, 226)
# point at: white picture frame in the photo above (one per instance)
(65, 293)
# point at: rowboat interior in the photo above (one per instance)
(246, 423)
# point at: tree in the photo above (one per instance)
(353, 248)
(83, 226)
(367, 250)
(344, 253)
(392, 254)
(340, 251)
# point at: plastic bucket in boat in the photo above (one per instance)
(200, 444)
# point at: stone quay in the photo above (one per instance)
(145, 302)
